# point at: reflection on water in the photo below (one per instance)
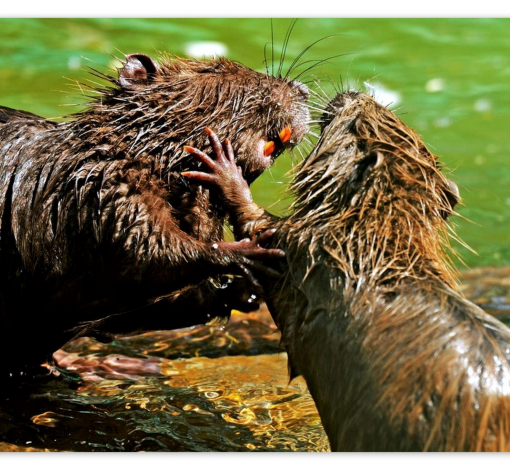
(490, 288)
(196, 389)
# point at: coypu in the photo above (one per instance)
(395, 357)
(100, 233)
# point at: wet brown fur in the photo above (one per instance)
(97, 223)
(394, 356)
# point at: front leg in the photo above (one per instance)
(150, 249)
(247, 218)
(211, 300)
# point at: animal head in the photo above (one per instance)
(261, 114)
(371, 197)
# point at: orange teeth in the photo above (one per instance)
(269, 148)
(285, 134)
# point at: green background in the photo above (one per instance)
(452, 77)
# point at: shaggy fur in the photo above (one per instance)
(97, 223)
(394, 356)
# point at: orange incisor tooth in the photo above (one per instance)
(285, 134)
(269, 148)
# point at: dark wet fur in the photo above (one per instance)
(395, 357)
(97, 223)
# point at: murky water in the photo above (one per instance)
(227, 389)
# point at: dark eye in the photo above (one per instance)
(371, 161)
(351, 127)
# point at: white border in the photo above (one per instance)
(255, 8)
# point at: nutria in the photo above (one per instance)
(394, 356)
(98, 225)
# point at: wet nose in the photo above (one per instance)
(336, 105)
(338, 102)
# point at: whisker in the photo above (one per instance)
(272, 49)
(285, 44)
(319, 62)
(291, 68)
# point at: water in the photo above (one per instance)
(451, 77)
(206, 389)
(197, 389)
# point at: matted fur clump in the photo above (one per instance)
(394, 356)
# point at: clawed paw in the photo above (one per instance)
(221, 168)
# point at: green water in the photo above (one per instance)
(452, 77)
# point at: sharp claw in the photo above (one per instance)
(265, 236)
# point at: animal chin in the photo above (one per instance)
(264, 152)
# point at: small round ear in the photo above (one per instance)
(138, 70)
(452, 195)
